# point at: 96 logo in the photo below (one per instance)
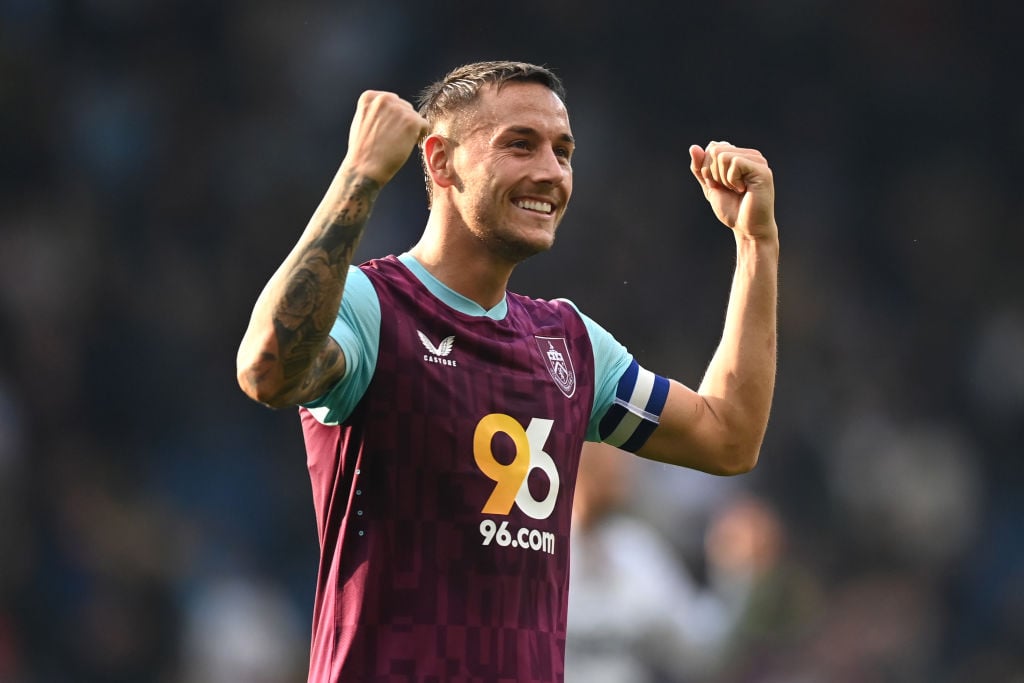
(512, 480)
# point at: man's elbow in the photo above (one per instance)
(737, 446)
(724, 457)
(740, 450)
(256, 383)
(737, 460)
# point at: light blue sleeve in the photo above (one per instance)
(357, 331)
(611, 360)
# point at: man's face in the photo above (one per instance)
(512, 158)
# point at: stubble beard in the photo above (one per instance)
(495, 223)
(508, 244)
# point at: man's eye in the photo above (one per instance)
(519, 144)
(563, 152)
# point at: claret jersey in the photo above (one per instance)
(443, 492)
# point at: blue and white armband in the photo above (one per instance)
(634, 415)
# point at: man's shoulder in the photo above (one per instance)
(561, 305)
(386, 273)
(383, 265)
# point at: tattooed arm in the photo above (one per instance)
(287, 356)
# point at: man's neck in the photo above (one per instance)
(463, 264)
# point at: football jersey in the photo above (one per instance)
(443, 500)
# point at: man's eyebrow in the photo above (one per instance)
(527, 130)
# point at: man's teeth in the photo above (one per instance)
(543, 207)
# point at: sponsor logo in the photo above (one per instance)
(510, 480)
(438, 354)
(511, 487)
(556, 356)
(527, 539)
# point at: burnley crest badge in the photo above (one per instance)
(559, 363)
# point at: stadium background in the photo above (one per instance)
(159, 158)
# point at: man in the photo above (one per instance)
(444, 417)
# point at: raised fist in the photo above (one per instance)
(384, 131)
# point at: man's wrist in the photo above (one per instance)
(767, 239)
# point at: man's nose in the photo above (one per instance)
(550, 168)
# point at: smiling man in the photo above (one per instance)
(444, 416)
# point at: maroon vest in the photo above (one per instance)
(443, 502)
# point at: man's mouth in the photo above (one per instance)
(534, 205)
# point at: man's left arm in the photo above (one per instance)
(719, 428)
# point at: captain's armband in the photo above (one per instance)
(634, 415)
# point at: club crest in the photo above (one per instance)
(556, 357)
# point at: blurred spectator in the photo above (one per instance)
(750, 565)
(242, 631)
(909, 495)
(635, 612)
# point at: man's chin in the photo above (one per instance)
(523, 247)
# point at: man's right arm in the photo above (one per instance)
(287, 356)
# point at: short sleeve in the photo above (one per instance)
(611, 359)
(357, 332)
(628, 399)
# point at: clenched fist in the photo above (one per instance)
(384, 131)
(739, 186)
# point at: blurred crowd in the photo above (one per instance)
(159, 158)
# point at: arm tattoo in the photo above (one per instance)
(305, 314)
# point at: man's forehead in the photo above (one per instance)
(522, 104)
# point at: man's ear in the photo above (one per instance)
(438, 157)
